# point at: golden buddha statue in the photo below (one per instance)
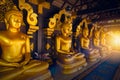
(15, 58)
(104, 50)
(85, 45)
(96, 40)
(68, 58)
(102, 39)
(85, 40)
(96, 37)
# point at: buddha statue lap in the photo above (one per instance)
(15, 58)
(90, 53)
(69, 60)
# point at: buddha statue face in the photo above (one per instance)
(96, 34)
(13, 19)
(66, 29)
(85, 32)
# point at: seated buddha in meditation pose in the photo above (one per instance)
(104, 47)
(85, 43)
(85, 46)
(15, 58)
(102, 39)
(64, 48)
(96, 38)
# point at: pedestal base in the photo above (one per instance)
(43, 75)
(71, 68)
(93, 57)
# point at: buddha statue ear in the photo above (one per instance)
(6, 23)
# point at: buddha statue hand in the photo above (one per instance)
(8, 64)
(75, 54)
(90, 49)
(71, 53)
(31, 64)
(14, 64)
(24, 63)
(27, 59)
(78, 56)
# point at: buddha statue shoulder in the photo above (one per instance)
(15, 58)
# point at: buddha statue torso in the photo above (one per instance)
(65, 44)
(96, 42)
(12, 45)
(86, 42)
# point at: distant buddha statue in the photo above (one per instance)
(85, 45)
(67, 56)
(102, 39)
(76, 36)
(85, 42)
(96, 38)
(15, 58)
(104, 50)
(96, 41)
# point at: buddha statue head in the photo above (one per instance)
(13, 18)
(66, 29)
(96, 33)
(102, 34)
(85, 32)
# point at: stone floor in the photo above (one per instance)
(58, 75)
